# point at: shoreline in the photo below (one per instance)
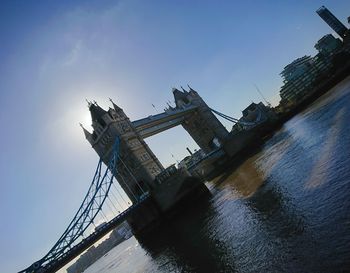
(265, 133)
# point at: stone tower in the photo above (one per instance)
(203, 126)
(137, 165)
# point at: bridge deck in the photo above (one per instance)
(90, 240)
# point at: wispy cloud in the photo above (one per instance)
(73, 55)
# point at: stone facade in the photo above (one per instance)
(137, 165)
(203, 126)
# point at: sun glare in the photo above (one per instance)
(86, 120)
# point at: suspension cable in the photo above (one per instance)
(115, 208)
(116, 198)
(234, 120)
(113, 185)
(131, 175)
(126, 184)
(104, 215)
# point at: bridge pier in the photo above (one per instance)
(169, 198)
(145, 217)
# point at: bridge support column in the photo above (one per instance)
(145, 217)
(171, 196)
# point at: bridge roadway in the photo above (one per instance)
(88, 241)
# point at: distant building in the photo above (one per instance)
(192, 159)
(254, 113)
(321, 63)
(328, 44)
(84, 261)
(332, 21)
(165, 174)
(296, 68)
(250, 113)
(300, 75)
(296, 78)
(118, 235)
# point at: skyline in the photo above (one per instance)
(57, 55)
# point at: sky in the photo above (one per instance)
(56, 54)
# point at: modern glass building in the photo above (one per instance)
(328, 44)
(300, 75)
(332, 21)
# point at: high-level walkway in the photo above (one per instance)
(155, 124)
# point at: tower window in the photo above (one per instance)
(144, 157)
(102, 122)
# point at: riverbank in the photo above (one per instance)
(258, 136)
(319, 90)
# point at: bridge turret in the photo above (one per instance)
(202, 125)
(137, 165)
(87, 134)
(116, 107)
(96, 112)
(181, 98)
(117, 112)
(98, 117)
(192, 91)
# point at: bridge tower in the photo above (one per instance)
(137, 165)
(203, 126)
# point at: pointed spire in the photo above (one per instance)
(183, 89)
(116, 107)
(96, 111)
(190, 87)
(87, 134)
(88, 102)
(180, 97)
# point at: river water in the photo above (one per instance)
(285, 209)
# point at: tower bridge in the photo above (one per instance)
(137, 158)
(137, 197)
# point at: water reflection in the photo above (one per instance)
(189, 244)
(243, 181)
(320, 170)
